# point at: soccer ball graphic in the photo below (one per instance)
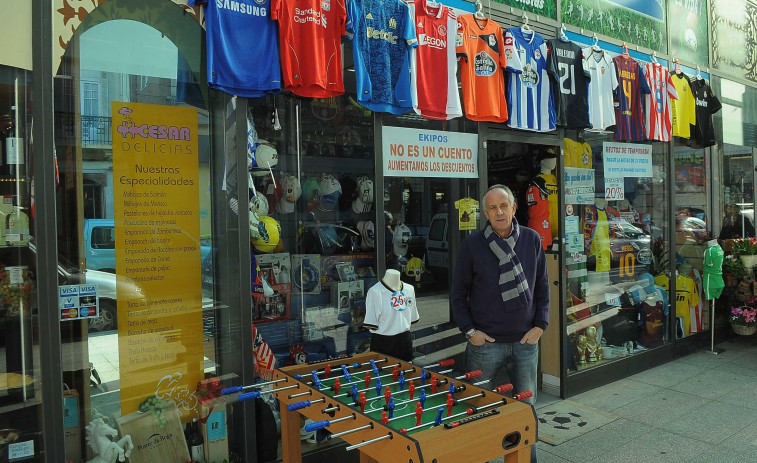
(560, 420)
(691, 39)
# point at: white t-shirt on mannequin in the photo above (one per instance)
(390, 306)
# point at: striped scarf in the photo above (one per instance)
(512, 282)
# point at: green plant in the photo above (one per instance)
(733, 265)
(745, 247)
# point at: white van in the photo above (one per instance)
(437, 245)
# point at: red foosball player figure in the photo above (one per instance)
(337, 386)
(411, 389)
(434, 383)
(387, 394)
(367, 379)
(327, 371)
(395, 373)
(450, 403)
(362, 401)
(418, 413)
(384, 418)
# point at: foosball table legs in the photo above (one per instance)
(291, 447)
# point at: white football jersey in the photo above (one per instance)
(390, 312)
(603, 83)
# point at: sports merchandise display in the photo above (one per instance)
(528, 89)
(401, 240)
(602, 85)
(367, 235)
(364, 200)
(331, 190)
(240, 62)
(382, 34)
(537, 198)
(311, 33)
(311, 194)
(390, 312)
(683, 109)
(629, 112)
(269, 234)
(291, 193)
(658, 118)
(434, 62)
(577, 154)
(265, 158)
(570, 84)
(481, 49)
(707, 104)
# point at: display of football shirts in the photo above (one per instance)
(382, 34)
(577, 154)
(480, 47)
(550, 183)
(629, 112)
(529, 102)
(310, 34)
(434, 96)
(238, 61)
(684, 109)
(687, 296)
(570, 84)
(604, 81)
(537, 198)
(659, 120)
(390, 312)
(707, 104)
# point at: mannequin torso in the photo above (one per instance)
(392, 280)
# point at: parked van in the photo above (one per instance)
(437, 246)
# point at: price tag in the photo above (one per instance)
(16, 275)
(612, 299)
(614, 188)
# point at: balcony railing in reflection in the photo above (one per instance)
(96, 130)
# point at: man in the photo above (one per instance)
(500, 295)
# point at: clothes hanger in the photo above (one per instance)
(678, 69)
(563, 36)
(595, 45)
(654, 58)
(699, 72)
(525, 27)
(479, 14)
(625, 50)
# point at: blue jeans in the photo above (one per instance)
(521, 361)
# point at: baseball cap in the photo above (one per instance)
(331, 190)
(311, 194)
(349, 190)
(265, 157)
(291, 192)
(364, 200)
(367, 234)
(401, 239)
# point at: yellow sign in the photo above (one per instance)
(467, 209)
(156, 201)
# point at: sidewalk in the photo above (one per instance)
(701, 408)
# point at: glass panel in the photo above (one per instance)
(616, 253)
(20, 386)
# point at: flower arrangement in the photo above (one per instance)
(745, 247)
(733, 265)
(744, 315)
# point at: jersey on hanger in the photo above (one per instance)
(684, 109)
(604, 81)
(382, 34)
(390, 312)
(240, 62)
(659, 120)
(570, 84)
(707, 104)
(528, 89)
(480, 48)
(577, 154)
(434, 63)
(310, 34)
(537, 198)
(629, 113)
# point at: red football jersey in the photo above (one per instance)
(659, 119)
(538, 211)
(310, 33)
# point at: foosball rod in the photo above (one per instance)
(348, 365)
(256, 394)
(316, 425)
(368, 442)
(469, 375)
(347, 394)
(501, 389)
(409, 370)
(235, 389)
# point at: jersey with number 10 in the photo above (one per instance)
(629, 113)
(570, 84)
(528, 89)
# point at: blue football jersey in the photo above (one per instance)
(242, 47)
(529, 101)
(382, 35)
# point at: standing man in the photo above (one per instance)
(500, 295)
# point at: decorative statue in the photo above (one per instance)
(99, 437)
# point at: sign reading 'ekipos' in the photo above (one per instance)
(429, 153)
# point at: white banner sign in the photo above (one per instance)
(429, 153)
(627, 160)
(614, 188)
(579, 186)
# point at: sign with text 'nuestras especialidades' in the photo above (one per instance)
(429, 153)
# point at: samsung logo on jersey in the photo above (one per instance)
(240, 7)
(424, 39)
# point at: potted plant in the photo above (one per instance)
(746, 249)
(733, 270)
(744, 319)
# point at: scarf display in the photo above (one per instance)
(512, 281)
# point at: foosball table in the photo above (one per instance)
(394, 411)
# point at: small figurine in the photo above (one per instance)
(99, 437)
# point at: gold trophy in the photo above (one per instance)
(581, 350)
(591, 343)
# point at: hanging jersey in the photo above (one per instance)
(390, 312)
(239, 62)
(528, 90)
(687, 296)
(707, 104)
(310, 34)
(434, 63)
(684, 109)
(538, 210)
(480, 48)
(629, 113)
(654, 322)
(570, 84)
(382, 34)
(577, 154)
(550, 183)
(602, 84)
(658, 118)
